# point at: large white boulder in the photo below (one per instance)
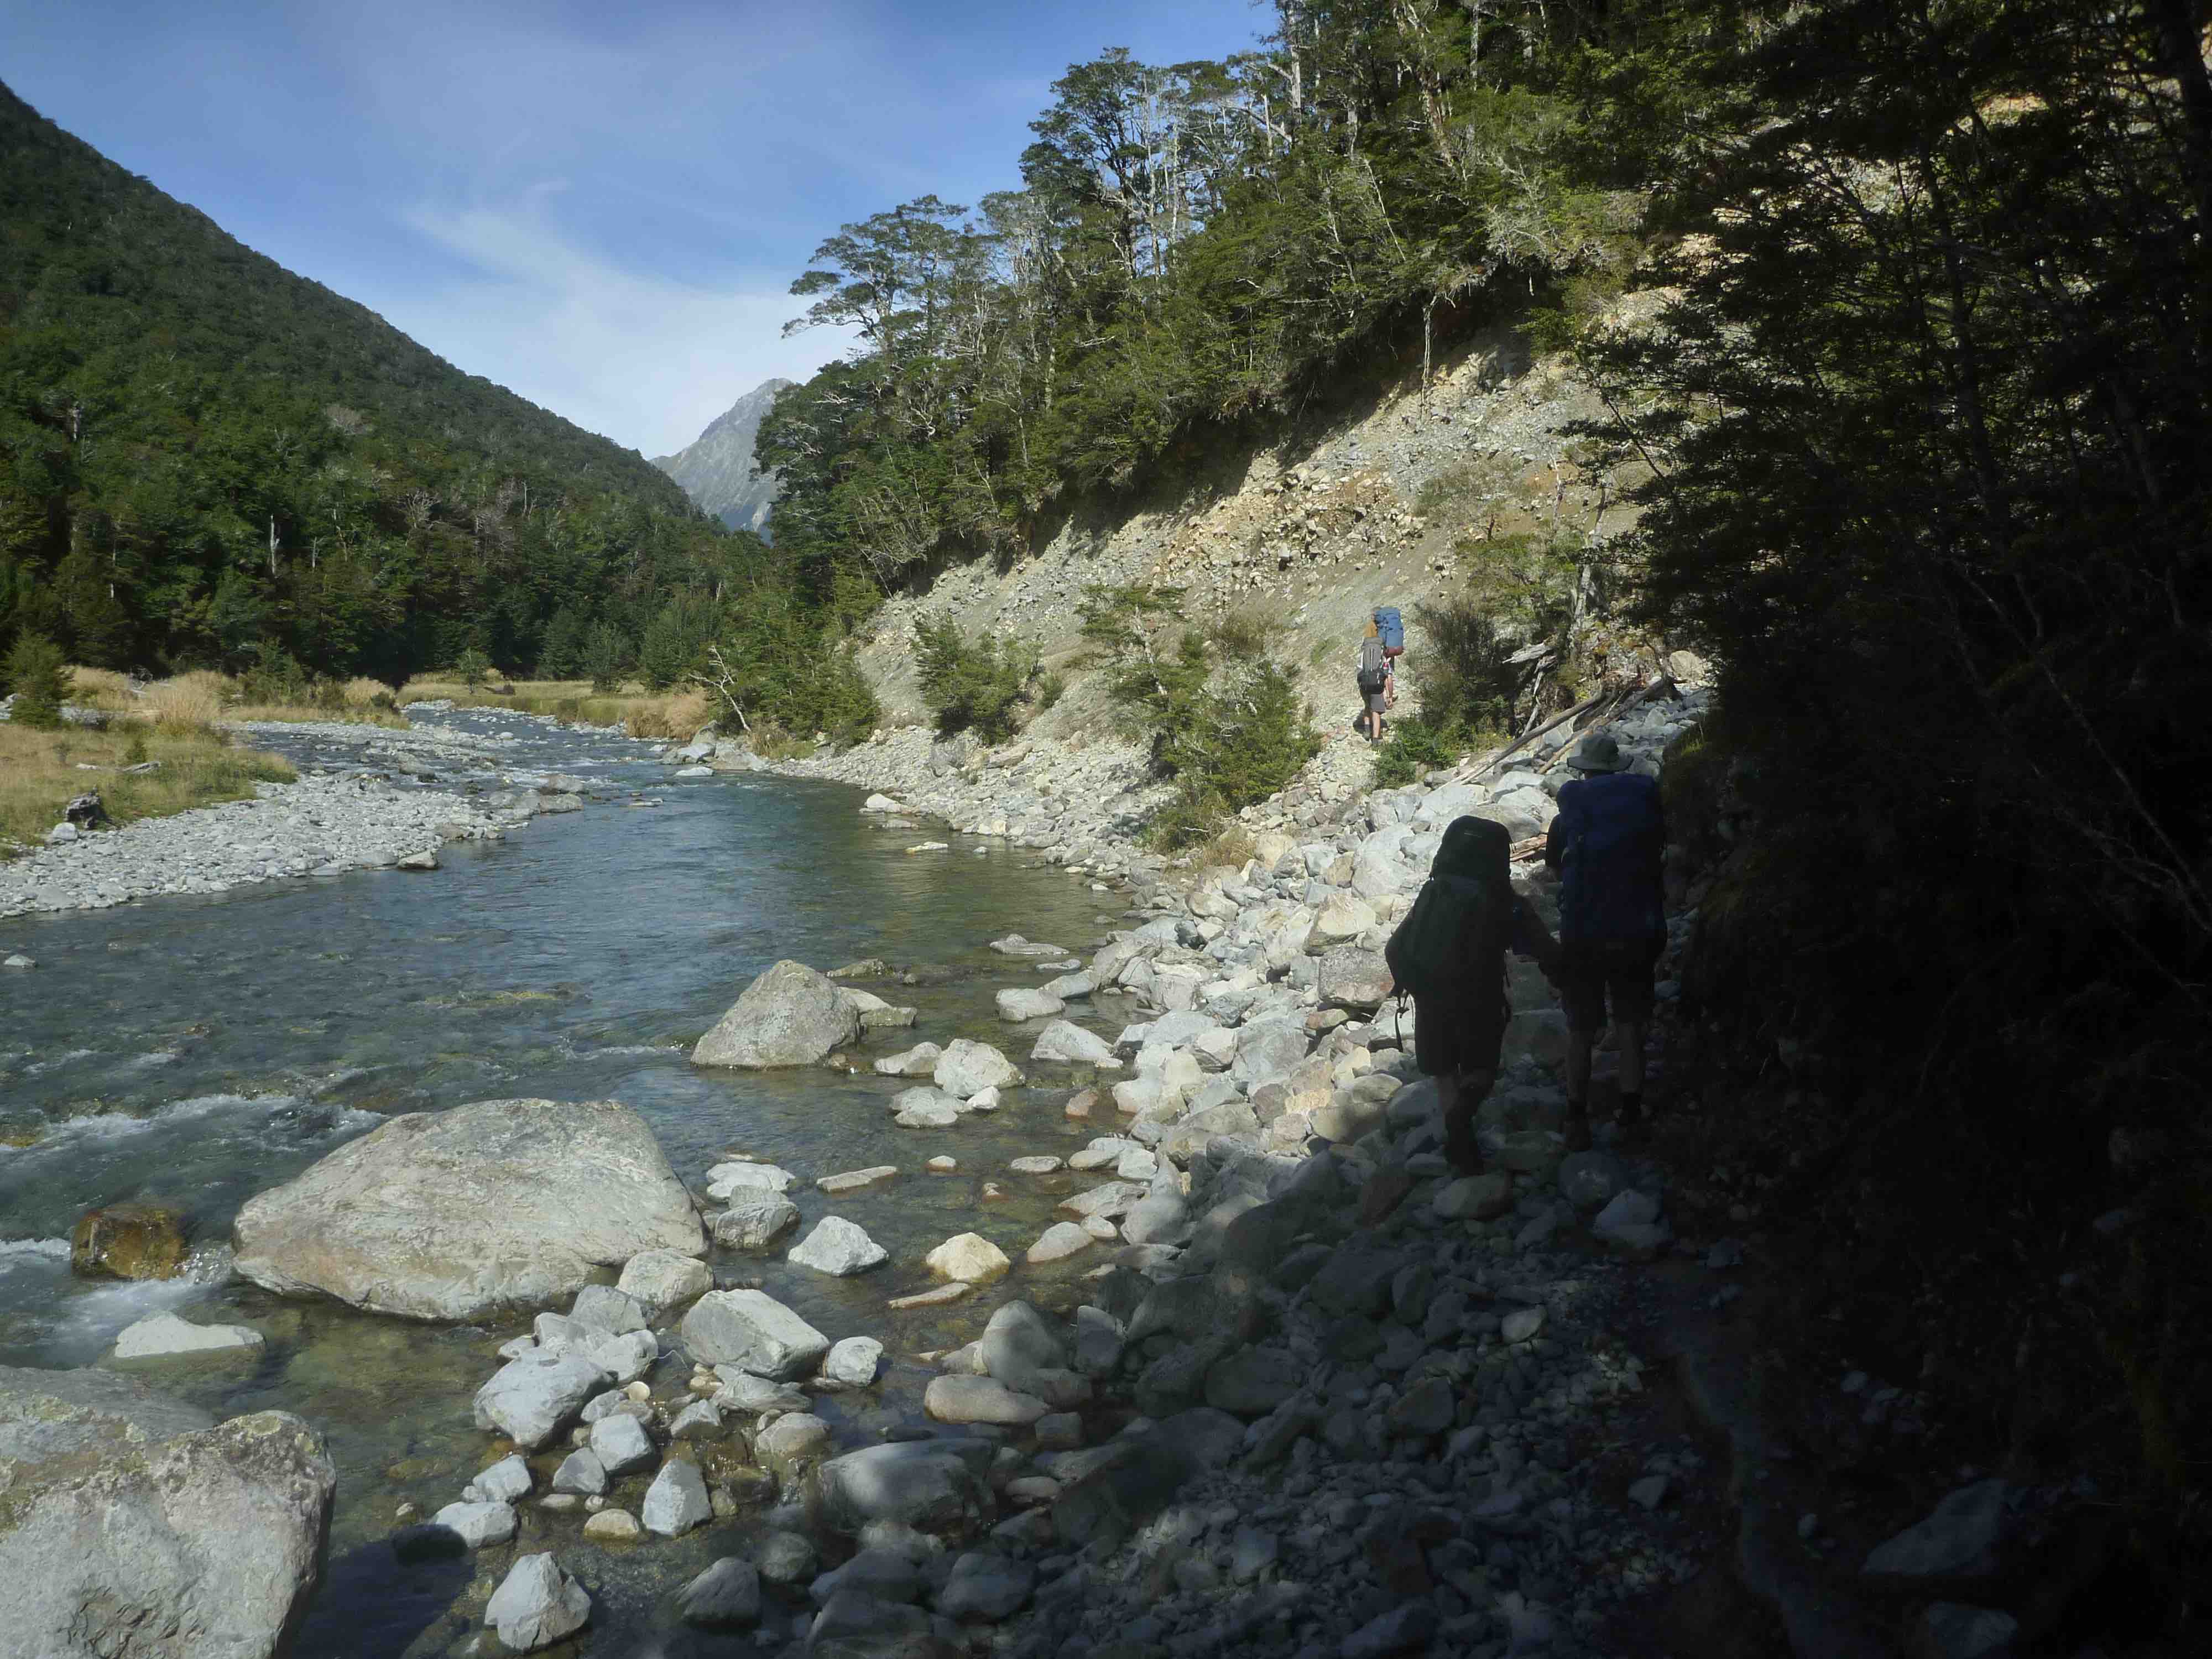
(1378, 865)
(920, 1060)
(790, 1016)
(1070, 1044)
(677, 1500)
(736, 1175)
(969, 1256)
(126, 1514)
(936, 1484)
(839, 1247)
(536, 1604)
(754, 1218)
(1440, 807)
(457, 1214)
(1341, 920)
(968, 1068)
(661, 1279)
(752, 1332)
(1523, 812)
(1019, 1002)
(531, 1398)
(159, 1335)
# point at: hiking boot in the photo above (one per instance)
(1461, 1151)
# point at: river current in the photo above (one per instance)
(199, 1050)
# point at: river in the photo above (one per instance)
(199, 1050)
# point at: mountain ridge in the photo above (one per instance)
(717, 470)
(204, 456)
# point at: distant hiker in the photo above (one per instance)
(1392, 628)
(1374, 682)
(1608, 843)
(1449, 955)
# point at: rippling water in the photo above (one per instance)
(200, 1049)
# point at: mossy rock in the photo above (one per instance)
(140, 1240)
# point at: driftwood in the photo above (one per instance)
(1611, 703)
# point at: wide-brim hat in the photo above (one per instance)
(1597, 752)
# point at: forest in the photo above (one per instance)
(206, 461)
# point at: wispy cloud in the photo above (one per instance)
(602, 207)
(646, 360)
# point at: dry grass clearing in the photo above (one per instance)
(195, 701)
(41, 771)
(676, 713)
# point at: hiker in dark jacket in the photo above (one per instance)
(1457, 1042)
(1608, 844)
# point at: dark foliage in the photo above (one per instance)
(1230, 731)
(1929, 418)
(982, 688)
(35, 673)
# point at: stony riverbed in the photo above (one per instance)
(366, 799)
(1238, 1367)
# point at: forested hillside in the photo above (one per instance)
(205, 459)
(1901, 319)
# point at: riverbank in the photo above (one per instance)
(673, 714)
(1243, 1367)
(1355, 1405)
(137, 774)
(1083, 806)
(371, 811)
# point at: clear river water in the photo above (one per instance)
(199, 1050)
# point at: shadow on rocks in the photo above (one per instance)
(373, 1604)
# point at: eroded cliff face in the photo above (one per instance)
(1397, 501)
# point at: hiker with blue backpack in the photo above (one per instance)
(1449, 955)
(1378, 678)
(1609, 845)
(1390, 628)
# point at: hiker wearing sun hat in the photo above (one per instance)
(1607, 845)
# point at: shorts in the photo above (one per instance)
(1591, 975)
(1450, 1038)
(1374, 702)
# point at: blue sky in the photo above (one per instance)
(601, 206)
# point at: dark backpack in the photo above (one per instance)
(1612, 853)
(1451, 945)
(1392, 630)
(1371, 671)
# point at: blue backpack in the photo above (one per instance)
(1392, 630)
(1613, 842)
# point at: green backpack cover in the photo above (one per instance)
(1452, 943)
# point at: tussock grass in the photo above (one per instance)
(186, 704)
(196, 700)
(102, 689)
(676, 713)
(1232, 849)
(41, 771)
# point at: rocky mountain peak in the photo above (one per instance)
(716, 468)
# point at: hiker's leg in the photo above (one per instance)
(1631, 1035)
(1581, 985)
(1461, 1093)
(1631, 991)
(1448, 1092)
(1579, 1045)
